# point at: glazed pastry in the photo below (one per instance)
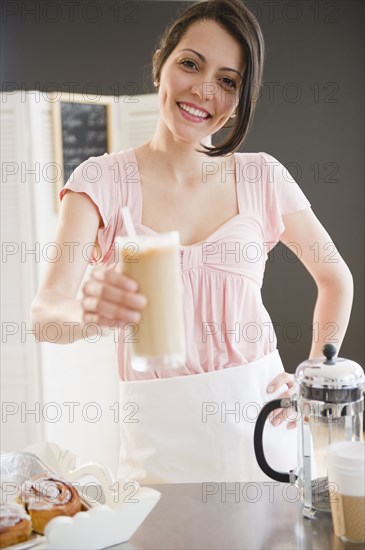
(48, 497)
(15, 525)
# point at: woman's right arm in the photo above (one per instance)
(108, 296)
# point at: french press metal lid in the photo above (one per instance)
(330, 379)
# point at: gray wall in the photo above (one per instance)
(310, 115)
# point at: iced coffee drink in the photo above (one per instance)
(157, 341)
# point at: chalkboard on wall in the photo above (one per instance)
(81, 129)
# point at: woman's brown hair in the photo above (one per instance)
(244, 27)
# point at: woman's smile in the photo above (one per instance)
(193, 112)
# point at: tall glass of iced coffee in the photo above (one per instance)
(158, 340)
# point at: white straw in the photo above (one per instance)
(129, 225)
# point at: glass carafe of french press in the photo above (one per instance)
(328, 406)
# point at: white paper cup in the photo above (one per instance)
(158, 341)
(345, 463)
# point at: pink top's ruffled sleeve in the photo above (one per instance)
(97, 178)
(282, 196)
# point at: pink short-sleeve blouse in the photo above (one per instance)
(226, 323)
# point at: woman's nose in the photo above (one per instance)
(204, 90)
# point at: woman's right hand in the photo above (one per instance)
(111, 297)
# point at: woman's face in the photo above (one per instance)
(199, 82)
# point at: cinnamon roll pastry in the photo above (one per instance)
(15, 525)
(48, 497)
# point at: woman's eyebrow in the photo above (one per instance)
(201, 56)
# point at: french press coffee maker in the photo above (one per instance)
(328, 407)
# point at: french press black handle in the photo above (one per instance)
(258, 440)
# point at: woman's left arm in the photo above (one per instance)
(333, 278)
(305, 235)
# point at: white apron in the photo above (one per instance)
(199, 428)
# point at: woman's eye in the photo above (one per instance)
(188, 63)
(229, 83)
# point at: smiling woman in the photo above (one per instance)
(225, 206)
(239, 30)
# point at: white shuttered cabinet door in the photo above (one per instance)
(21, 386)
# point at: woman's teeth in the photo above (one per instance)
(192, 111)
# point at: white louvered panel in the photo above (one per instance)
(16, 203)
(12, 112)
(8, 134)
(19, 368)
(9, 203)
(13, 120)
(141, 127)
(138, 120)
(12, 374)
(115, 130)
(44, 189)
(43, 153)
(18, 420)
(11, 298)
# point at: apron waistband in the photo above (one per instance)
(228, 373)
